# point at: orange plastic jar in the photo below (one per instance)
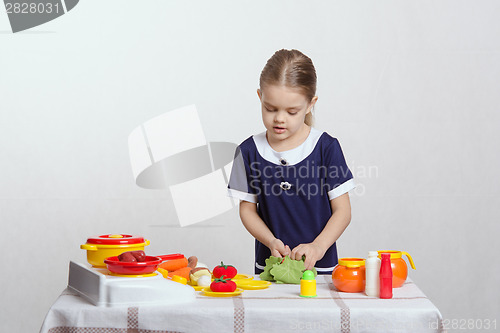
(349, 275)
(399, 267)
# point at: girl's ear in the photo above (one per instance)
(259, 94)
(311, 104)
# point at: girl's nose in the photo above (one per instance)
(279, 117)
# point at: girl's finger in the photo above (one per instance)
(297, 253)
(310, 260)
(292, 254)
(276, 253)
(307, 262)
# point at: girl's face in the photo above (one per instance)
(283, 112)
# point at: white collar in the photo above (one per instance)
(292, 156)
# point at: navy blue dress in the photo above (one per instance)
(292, 189)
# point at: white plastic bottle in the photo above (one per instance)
(372, 271)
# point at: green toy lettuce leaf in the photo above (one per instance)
(284, 270)
(270, 262)
(290, 271)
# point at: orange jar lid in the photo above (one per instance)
(352, 262)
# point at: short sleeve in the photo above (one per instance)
(339, 179)
(240, 180)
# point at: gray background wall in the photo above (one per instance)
(411, 89)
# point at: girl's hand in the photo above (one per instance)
(279, 249)
(312, 251)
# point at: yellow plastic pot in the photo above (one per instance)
(105, 246)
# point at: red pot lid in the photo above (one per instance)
(115, 239)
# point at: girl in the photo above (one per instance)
(292, 179)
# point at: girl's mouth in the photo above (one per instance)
(279, 130)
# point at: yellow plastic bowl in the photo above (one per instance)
(96, 253)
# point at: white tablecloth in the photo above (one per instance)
(276, 309)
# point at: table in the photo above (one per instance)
(276, 309)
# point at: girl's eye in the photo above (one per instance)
(292, 113)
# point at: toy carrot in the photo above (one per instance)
(174, 264)
(184, 272)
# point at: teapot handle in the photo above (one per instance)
(409, 258)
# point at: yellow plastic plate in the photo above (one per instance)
(163, 272)
(133, 275)
(208, 292)
(242, 277)
(197, 288)
(253, 284)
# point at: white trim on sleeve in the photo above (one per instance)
(242, 195)
(259, 266)
(341, 189)
(324, 269)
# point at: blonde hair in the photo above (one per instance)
(291, 68)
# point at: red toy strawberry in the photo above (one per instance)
(222, 285)
(227, 270)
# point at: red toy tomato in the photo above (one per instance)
(222, 285)
(227, 270)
